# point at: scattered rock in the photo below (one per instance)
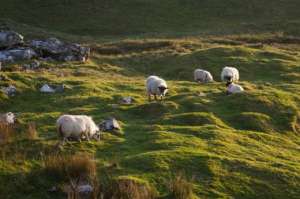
(84, 189)
(32, 66)
(12, 49)
(53, 189)
(111, 124)
(17, 54)
(10, 90)
(10, 39)
(8, 118)
(127, 100)
(59, 50)
(47, 89)
(46, 59)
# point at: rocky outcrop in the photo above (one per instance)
(9, 39)
(13, 48)
(17, 54)
(59, 50)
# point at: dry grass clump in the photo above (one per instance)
(31, 132)
(79, 167)
(74, 170)
(7, 132)
(127, 188)
(181, 188)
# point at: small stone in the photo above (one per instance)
(127, 100)
(10, 90)
(85, 189)
(111, 124)
(46, 89)
(53, 189)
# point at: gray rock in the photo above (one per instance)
(10, 39)
(10, 90)
(111, 124)
(17, 54)
(127, 100)
(32, 66)
(35, 64)
(59, 50)
(46, 89)
(85, 189)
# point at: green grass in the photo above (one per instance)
(237, 146)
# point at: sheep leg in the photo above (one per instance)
(161, 98)
(149, 97)
(155, 97)
(64, 140)
(87, 136)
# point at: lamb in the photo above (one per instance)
(234, 88)
(77, 126)
(202, 76)
(156, 86)
(7, 118)
(230, 74)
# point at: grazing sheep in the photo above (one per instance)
(234, 88)
(156, 86)
(202, 76)
(76, 126)
(7, 118)
(230, 74)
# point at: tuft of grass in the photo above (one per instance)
(129, 188)
(7, 132)
(181, 188)
(77, 168)
(31, 132)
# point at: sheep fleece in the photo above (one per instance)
(202, 76)
(76, 125)
(152, 84)
(230, 72)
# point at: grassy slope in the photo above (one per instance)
(103, 18)
(240, 146)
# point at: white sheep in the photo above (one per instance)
(202, 76)
(77, 126)
(7, 118)
(234, 88)
(156, 86)
(230, 74)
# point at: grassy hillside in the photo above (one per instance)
(239, 146)
(110, 18)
